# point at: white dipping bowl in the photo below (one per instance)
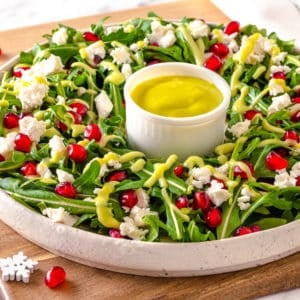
(158, 136)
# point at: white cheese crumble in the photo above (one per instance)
(58, 148)
(295, 171)
(32, 127)
(278, 59)
(279, 102)
(201, 176)
(95, 49)
(227, 39)
(130, 229)
(43, 170)
(51, 65)
(283, 179)
(244, 199)
(198, 29)
(164, 36)
(283, 69)
(7, 145)
(64, 176)
(143, 198)
(59, 215)
(240, 128)
(60, 36)
(120, 56)
(104, 105)
(126, 70)
(111, 29)
(275, 87)
(217, 193)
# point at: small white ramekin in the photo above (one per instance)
(158, 136)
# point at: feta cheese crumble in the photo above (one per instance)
(240, 128)
(64, 176)
(58, 148)
(121, 56)
(283, 179)
(201, 176)
(104, 105)
(60, 36)
(89, 53)
(164, 36)
(217, 193)
(33, 128)
(126, 70)
(43, 170)
(7, 145)
(59, 215)
(244, 200)
(279, 102)
(198, 29)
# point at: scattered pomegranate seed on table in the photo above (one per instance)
(55, 277)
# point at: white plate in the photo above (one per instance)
(146, 258)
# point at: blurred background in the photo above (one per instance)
(19, 13)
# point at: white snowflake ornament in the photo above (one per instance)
(18, 267)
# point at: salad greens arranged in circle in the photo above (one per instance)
(63, 146)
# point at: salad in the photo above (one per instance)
(64, 151)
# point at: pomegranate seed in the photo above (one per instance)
(279, 75)
(202, 201)
(232, 27)
(128, 198)
(274, 161)
(76, 116)
(92, 132)
(153, 62)
(29, 168)
(11, 120)
(255, 228)
(182, 202)
(251, 113)
(220, 181)
(154, 44)
(179, 170)
(80, 108)
(298, 181)
(117, 176)
(62, 126)
(237, 171)
(65, 189)
(18, 72)
(23, 143)
(90, 36)
(115, 233)
(213, 217)
(97, 59)
(219, 49)
(296, 117)
(55, 277)
(213, 63)
(242, 231)
(2, 158)
(77, 153)
(296, 100)
(291, 135)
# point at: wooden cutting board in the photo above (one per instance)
(89, 283)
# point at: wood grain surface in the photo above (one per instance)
(88, 283)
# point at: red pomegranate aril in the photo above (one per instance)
(117, 176)
(11, 120)
(115, 233)
(219, 180)
(251, 113)
(182, 202)
(154, 44)
(179, 170)
(296, 117)
(298, 181)
(202, 201)
(97, 59)
(213, 63)
(213, 217)
(29, 168)
(77, 153)
(92, 132)
(291, 135)
(23, 143)
(2, 158)
(80, 108)
(55, 277)
(18, 72)
(296, 100)
(255, 228)
(232, 27)
(237, 171)
(65, 189)
(128, 198)
(76, 116)
(242, 231)
(279, 75)
(274, 161)
(219, 49)
(153, 62)
(90, 36)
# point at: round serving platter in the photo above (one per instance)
(149, 258)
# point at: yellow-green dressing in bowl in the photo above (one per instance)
(177, 96)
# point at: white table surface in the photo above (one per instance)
(19, 13)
